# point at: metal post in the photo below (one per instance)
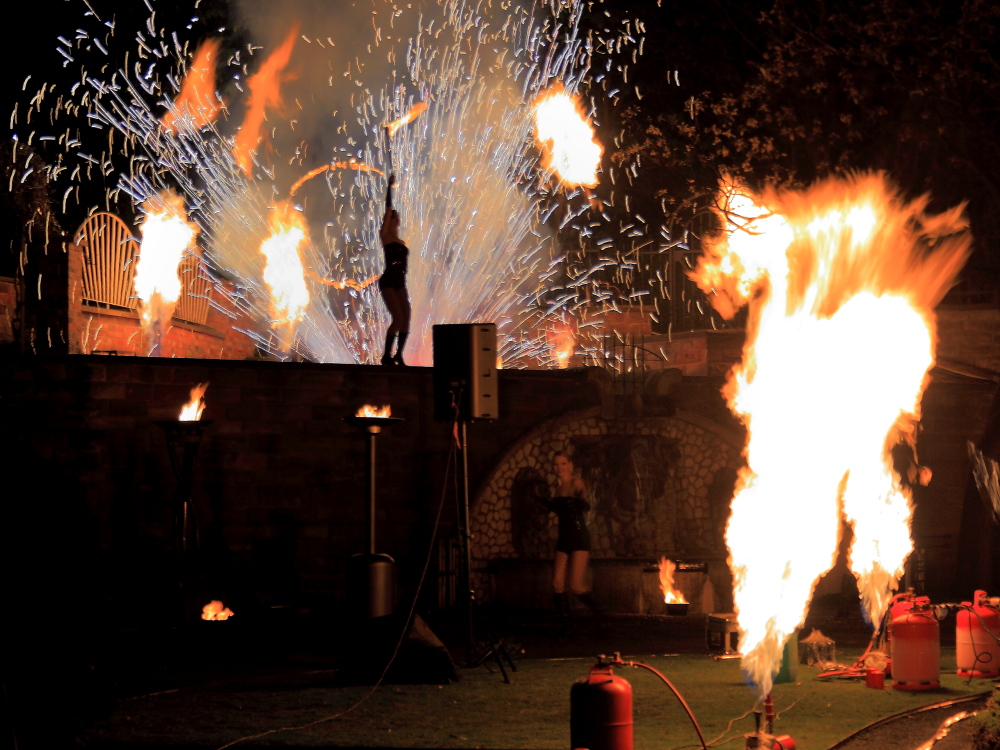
(373, 431)
(467, 545)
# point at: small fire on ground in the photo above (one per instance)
(379, 412)
(670, 594)
(192, 409)
(215, 610)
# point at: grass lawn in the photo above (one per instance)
(532, 712)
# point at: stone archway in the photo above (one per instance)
(659, 486)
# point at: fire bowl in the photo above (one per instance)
(678, 610)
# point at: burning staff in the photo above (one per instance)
(392, 283)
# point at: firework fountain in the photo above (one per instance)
(299, 125)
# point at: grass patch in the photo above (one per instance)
(533, 712)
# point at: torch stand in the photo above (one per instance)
(371, 575)
(183, 440)
(495, 647)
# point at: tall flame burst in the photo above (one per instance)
(197, 104)
(284, 273)
(166, 235)
(840, 281)
(265, 93)
(569, 146)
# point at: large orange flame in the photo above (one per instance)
(197, 104)
(265, 93)
(393, 127)
(284, 273)
(567, 139)
(192, 409)
(166, 235)
(841, 281)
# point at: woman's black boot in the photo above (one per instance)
(387, 356)
(398, 359)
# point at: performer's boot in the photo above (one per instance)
(562, 607)
(387, 356)
(590, 602)
(398, 359)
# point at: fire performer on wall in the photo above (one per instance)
(392, 283)
(573, 546)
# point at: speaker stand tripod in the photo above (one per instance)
(474, 613)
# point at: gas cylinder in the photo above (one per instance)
(600, 716)
(899, 604)
(916, 647)
(976, 629)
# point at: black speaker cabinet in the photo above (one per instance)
(465, 363)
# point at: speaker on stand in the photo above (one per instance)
(465, 388)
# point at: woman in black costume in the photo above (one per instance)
(573, 546)
(392, 282)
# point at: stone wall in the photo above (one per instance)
(659, 486)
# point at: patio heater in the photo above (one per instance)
(371, 575)
(183, 441)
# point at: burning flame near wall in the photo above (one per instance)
(192, 409)
(562, 342)
(841, 281)
(215, 610)
(265, 93)
(567, 138)
(284, 273)
(166, 234)
(197, 104)
(381, 412)
(670, 594)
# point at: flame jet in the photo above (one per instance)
(567, 139)
(840, 281)
(265, 93)
(197, 104)
(166, 235)
(284, 273)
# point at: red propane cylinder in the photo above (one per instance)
(916, 648)
(976, 648)
(600, 716)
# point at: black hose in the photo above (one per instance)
(683, 702)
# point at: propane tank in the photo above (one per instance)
(600, 716)
(916, 647)
(976, 629)
(899, 604)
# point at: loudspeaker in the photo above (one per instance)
(465, 361)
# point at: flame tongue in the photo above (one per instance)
(284, 273)
(166, 234)
(568, 140)
(215, 610)
(192, 409)
(197, 104)
(670, 594)
(265, 93)
(409, 117)
(840, 337)
(368, 410)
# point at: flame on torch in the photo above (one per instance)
(567, 139)
(415, 111)
(284, 273)
(192, 409)
(166, 234)
(380, 412)
(265, 92)
(841, 281)
(670, 594)
(197, 104)
(215, 610)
